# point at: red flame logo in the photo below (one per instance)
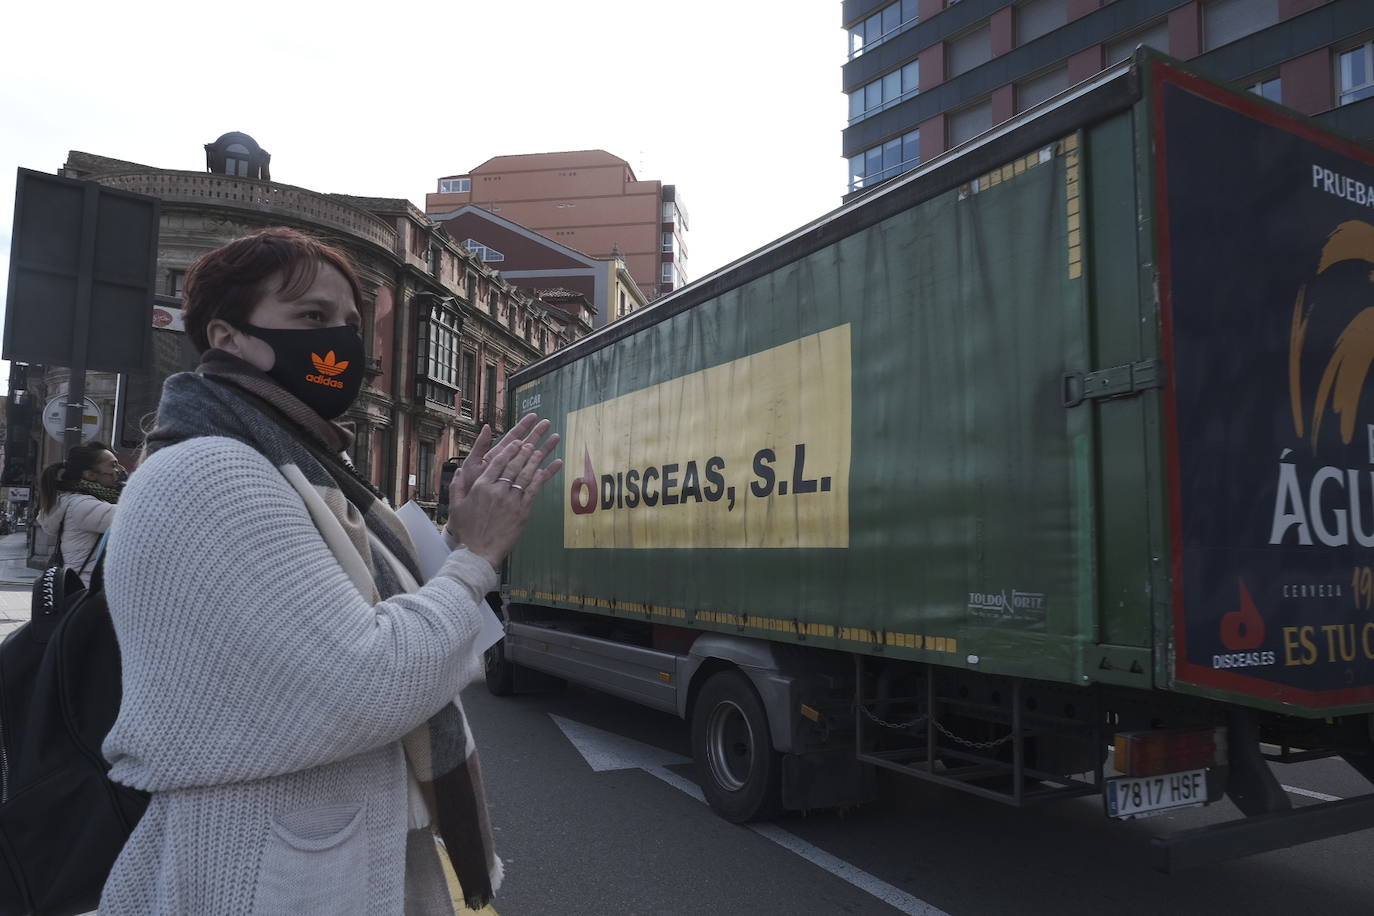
(583, 493)
(1243, 630)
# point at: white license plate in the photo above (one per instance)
(1131, 796)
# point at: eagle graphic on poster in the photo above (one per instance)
(1349, 251)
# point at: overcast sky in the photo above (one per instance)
(736, 102)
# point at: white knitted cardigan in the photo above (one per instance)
(265, 699)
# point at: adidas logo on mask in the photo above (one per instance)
(327, 367)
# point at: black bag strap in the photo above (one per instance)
(55, 558)
(98, 571)
(94, 547)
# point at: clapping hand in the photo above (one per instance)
(490, 496)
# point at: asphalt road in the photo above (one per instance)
(629, 841)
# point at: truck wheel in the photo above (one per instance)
(739, 771)
(500, 671)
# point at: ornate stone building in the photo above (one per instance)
(443, 330)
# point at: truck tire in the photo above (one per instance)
(499, 670)
(740, 773)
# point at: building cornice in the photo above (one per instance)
(269, 198)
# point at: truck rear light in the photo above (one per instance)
(1152, 753)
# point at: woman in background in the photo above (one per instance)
(76, 502)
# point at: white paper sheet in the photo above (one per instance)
(431, 550)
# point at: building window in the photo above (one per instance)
(236, 159)
(882, 25)
(885, 92)
(969, 123)
(1356, 76)
(969, 51)
(360, 452)
(667, 273)
(622, 311)
(425, 476)
(898, 155)
(469, 389)
(489, 397)
(472, 288)
(455, 185)
(493, 300)
(176, 282)
(1153, 36)
(436, 354)
(1223, 21)
(484, 252)
(1033, 91)
(667, 243)
(1039, 17)
(1271, 89)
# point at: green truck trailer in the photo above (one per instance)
(1060, 442)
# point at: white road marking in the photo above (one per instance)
(608, 751)
(841, 869)
(1308, 793)
(681, 783)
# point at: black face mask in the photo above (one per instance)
(321, 366)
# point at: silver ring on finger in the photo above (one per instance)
(507, 480)
(516, 486)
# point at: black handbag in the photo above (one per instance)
(62, 821)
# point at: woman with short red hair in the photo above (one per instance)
(290, 680)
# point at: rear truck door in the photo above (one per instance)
(1113, 409)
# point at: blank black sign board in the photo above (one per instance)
(81, 249)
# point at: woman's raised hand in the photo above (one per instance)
(477, 458)
(490, 496)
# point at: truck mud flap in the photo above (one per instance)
(1262, 833)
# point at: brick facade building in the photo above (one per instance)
(443, 330)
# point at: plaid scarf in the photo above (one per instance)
(99, 491)
(228, 397)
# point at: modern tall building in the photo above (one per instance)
(588, 200)
(924, 76)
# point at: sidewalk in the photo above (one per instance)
(16, 582)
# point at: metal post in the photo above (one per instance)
(930, 718)
(1018, 748)
(81, 320)
(1099, 738)
(858, 703)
